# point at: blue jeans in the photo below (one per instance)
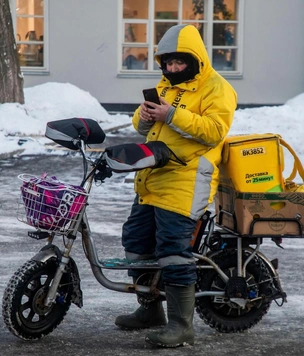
(164, 235)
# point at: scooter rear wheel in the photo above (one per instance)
(23, 309)
(223, 314)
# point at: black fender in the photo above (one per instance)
(52, 252)
(46, 253)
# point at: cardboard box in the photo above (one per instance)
(252, 163)
(260, 214)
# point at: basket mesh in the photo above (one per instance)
(48, 204)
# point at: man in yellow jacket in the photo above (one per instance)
(195, 115)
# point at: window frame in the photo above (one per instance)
(43, 70)
(208, 22)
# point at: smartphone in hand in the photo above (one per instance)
(151, 95)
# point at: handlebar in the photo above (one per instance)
(103, 171)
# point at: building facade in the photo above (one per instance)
(106, 47)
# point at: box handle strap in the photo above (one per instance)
(297, 166)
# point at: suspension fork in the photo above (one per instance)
(52, 292)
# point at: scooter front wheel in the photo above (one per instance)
(23, 309)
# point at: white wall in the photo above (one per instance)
(83, 51)
(273, 51)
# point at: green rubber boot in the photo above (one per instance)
(179, 330)
(151, 316)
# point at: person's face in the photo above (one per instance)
(176, 65)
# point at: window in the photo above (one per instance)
(144, 22)
(30, 30)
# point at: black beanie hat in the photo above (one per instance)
(185, 57)
(185, 75)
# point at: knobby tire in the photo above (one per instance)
(23, 309)
(228, 317)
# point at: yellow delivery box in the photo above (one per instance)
(253, 163)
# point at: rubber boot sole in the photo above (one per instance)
(142, 326)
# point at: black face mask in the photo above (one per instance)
(178, 77)
(186, 74)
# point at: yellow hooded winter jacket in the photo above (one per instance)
(195, 129)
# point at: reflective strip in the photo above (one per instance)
(125, 167)
(175, 260)
(202, 189)
(186, 135)
(136, 257)
(57, 135)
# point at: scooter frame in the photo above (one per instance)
(101, 171)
